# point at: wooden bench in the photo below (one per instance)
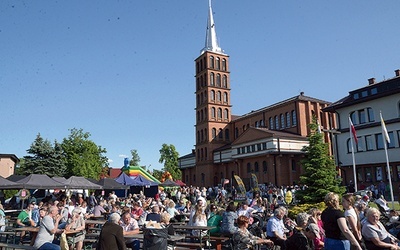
(88, 244)
(189, 245)
(7, 235)
(7, 246)
(216, 240)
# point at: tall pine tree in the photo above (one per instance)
(320, 174)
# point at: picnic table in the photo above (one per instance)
(200, 228)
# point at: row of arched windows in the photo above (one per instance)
(362, 116)
(202, 154)
(215, 114)
(215, 96)
(283, 121)
(216, 80)
(219, 134)
(214, 63)
(257, 167)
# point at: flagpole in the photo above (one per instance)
(384, 138)
(352, 154)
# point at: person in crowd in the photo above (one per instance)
(243, 239)
(137, 211)
(228, 219)
(214, 219)
(246, 211)
(315, 217)
(303, 235)
(188, 207)
(76, 223)
(111, 235)
(165, 223)
(154, 215)
(65, 215)
(130, 226)
(24, 218)
(2, 219)
(375, 234)
(171, 209)
(352, 216)
(92, 200)
(199, 219)
(48, 227)
(99, 210)
(393, 224)
(383, 204)
(276, 228)
(338, 235)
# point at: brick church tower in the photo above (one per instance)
(213, 108)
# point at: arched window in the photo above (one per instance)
(282, 121)
(205, 113)
(261, 123)
(271, 123)
(213, 112)
(227, 135)
(214, 133)
(205, 153)
(225, 97)
(198, 136)
(198, 99)
(287, 119)
(201, 135)
(256, 124)
(205, 79)
(205, 135)
(218, 80)
(236, 132)
(294, 118)
(265, 166)
(218, 63)
(224, 81)
(201, 98)
(249, 167)
(219, 114)
(211, 79)
(256, 167)
(201, 81)
(276, 122)
(220, 134)
(212, 95)
(211, 62)
(198, 154)
(202, 154)
(197, 83)
(203, 177)
(218, 96)
(194, 178)
(226, 114)
(201, 115)
(223, 64)
(198, 116)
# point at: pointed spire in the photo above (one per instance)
(211, 34)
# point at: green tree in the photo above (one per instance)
(320, 174)
(43, 158)
(135, 158)
(157, 174)
(82, 156)
(169, 156)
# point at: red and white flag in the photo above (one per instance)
(226, 181)
(353, 131)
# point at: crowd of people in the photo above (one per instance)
(260, 219)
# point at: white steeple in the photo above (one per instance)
(211, 34)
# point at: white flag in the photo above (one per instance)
(384, 131)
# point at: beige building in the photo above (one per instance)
(8, 162)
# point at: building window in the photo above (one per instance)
(224, 81)
(256, 124)
(218, 80)
(271, 123)
(378, 173)
(259, 147)
(213, 113)
(287, 119)
(264, 146)
(225, 97)
(194, 178)
(391, 173)
(201, 115)
(203, 177)
(236, 132)
(219, 113)
(256, 167)
(361, 116)
(202, 135)
(238, 151)
(349, 146)
(198, 154)
(243, 150)
(282, 121)
(371, 117)
(202, 154)
(212, 95)
(211, 62)
(364, 93)
(369, 144)
(198, 136)
(253, 148)
(220, 135)
(226, 114)
(374, 91)
(205, 153)
(356, 96)
(276, 122)
(227, 135)
(223, 64)
(214, 133)
(294, 118)
(368, 174)
(261, 123)
(265, 167)
(398, 172)
(379, 141)
(293, 165)
(391, 137)
(212, 79)
(249, 167)
(353, 117)
(219, 96)
(218, 63)
(360, 144)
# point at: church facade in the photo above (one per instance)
(265, 142)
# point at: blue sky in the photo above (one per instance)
(124, 70)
